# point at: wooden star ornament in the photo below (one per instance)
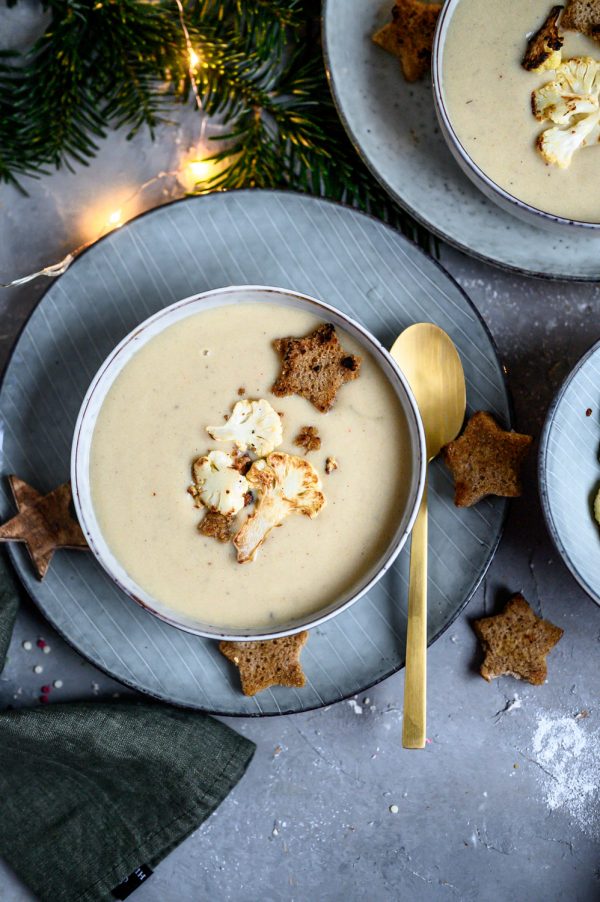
(516, 642)
(272, 662)
(43, 523)
(486, 460)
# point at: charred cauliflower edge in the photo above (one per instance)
(571, 102)
(218, 485)
(283, 484)
(280, 484)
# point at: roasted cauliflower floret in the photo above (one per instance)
(284, 485)
(580, 75)
(544, 47)
(252, 424)
(571, 101)
(549, 102)
(217, 484)
(557, 145)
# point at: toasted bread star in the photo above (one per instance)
(516, 642)
(409, 36)
(582, 16)
(314, 367)
(486, 460)
(273, 662)
(44, 523)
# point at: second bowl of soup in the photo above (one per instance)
(514, 131)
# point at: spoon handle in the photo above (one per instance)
(415, 685)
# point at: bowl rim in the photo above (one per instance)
(542, 468)
(80, 461)
(456, 146)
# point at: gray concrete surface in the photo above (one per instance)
(504, 802)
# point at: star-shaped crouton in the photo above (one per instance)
(486, 460)
(44, 523)
(516, 642)
(273, 662)
(314, 367)
(409, 36)
(582, 16)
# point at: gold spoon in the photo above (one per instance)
(430, 362)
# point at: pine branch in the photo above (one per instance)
(139, 48)
(288, 135)
(262, 25)
(102, 65)
(97, 65)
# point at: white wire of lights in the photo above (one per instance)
(194, 170)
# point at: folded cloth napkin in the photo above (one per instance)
(9, 605)
(94, 793)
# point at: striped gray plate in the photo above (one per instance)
(251, 237)
(569, 471)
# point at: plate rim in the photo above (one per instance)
(398, 199)
(308, 198)
(592, 594)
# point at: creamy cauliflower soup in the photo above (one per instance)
(152, 426)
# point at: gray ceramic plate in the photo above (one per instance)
(569, 471)
(393, 126)
(311, 246)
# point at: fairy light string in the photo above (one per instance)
(57, 269)
(114, 220)
(192, 56)
(192, 172)
(197, 171)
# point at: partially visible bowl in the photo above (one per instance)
(122, 354)
(569, 471)
(494, 192)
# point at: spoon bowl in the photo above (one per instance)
(431, 363)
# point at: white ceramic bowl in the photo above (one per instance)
(494, 192)
(122, 354)
(569, 471)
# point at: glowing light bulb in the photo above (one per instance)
(200, 170)
(115, 218)
(194, 59)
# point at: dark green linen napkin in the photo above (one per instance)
(89, 792)
(9, 604)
